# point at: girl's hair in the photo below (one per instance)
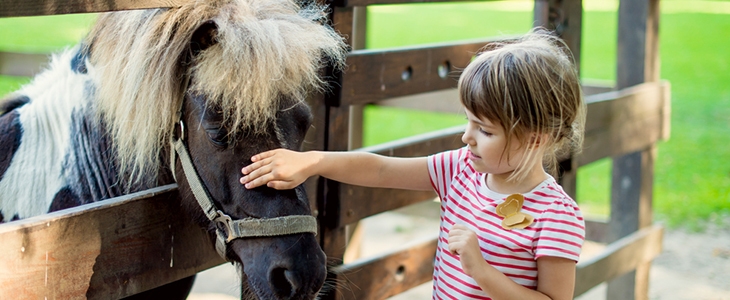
(531, 88)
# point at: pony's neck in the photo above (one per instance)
(63, 158)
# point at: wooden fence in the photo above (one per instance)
(126, 245)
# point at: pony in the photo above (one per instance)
(150, 96)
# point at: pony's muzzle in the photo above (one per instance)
(284, 282)
(290, 282)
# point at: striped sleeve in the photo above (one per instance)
(442, 167)
(561, 231)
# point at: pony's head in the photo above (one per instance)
(236, 74)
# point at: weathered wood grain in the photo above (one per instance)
(374, 75)
(105, 250)
(22, 64)
(619, 257)
(10, 8)
(389, 274)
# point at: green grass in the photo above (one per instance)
(11, 83)
(43, 34)
(692, 173)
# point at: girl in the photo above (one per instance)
(508, 230)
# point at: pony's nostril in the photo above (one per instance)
(283, 282)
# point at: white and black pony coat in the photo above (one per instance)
(55, 155)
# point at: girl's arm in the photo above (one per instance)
(556, 276)
(286, 169)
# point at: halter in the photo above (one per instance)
(228, 229)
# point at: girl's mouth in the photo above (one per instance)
(473, 156)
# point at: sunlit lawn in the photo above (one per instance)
(692, 171)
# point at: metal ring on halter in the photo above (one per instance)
(224, 224)
(182, 129)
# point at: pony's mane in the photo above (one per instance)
(265, 50)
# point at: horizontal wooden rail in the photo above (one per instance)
(596, 230)
(447, 100)
(13, 8)
(374, 75)
(350, 3)
(392, 273)
(618, 258)
(625, 121)
(22, 64)
(104, 250)
(359, 202)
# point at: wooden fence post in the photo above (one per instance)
(343, 132)
(633, 174)
(565, 17)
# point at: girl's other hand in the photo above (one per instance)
(280, 169)
(463, 242)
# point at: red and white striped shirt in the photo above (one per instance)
(558, 229)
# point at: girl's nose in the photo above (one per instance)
(466, 137)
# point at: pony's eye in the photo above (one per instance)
(218, 136)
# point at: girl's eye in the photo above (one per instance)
(484, 131)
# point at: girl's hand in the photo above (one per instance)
(463, 242)
(280, 169)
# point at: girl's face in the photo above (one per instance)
(487, 143)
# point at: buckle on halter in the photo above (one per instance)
(224, 224)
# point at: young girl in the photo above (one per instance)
(508, 230)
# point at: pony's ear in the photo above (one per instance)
(203, 37)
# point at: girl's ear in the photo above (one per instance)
(537, 140)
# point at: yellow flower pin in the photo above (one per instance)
(510, 211)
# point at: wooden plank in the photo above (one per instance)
(105, 250)
(443, 101)
(447, 100)
(565, 18)
(633, 174)
(394, 272)
(375, 75)
(591, 87)
(358, 202)
(333, 238)
(315, 140)
(624, 121)
(351, 3)
(355, 131)
(619, 258)
(390, 274)
(596, 230)
(22, 64)
(11, 8)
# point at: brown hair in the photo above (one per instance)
(528, 86)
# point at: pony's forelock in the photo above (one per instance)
(273, 49)
(266, 49)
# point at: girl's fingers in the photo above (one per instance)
(255, 166)
(259, 181)
(263, 155)
(257, 176)
(280, 185)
